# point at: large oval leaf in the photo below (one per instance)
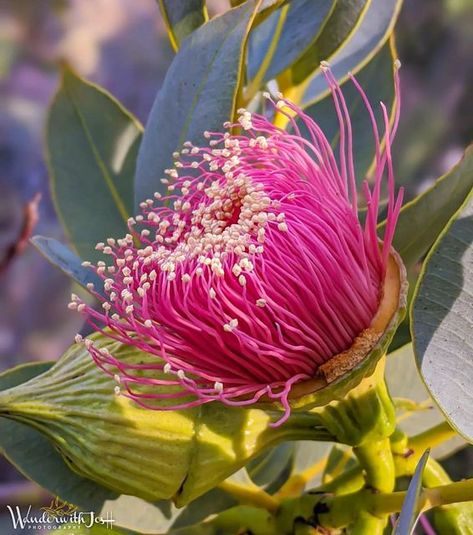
(199, 93)
(343, 21)
(441, 321)
(377, 80)
(92, 143)
(284, 36)
(413, 237)
(182, 17)
(406, 386)
(370, 35)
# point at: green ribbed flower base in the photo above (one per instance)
(365, 415)
(151, 454)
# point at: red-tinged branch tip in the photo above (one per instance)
(30, 219)
(253, 270)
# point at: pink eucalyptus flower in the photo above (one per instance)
(254, 269)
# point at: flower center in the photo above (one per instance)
(229, 219)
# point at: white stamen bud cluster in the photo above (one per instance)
(219, 222)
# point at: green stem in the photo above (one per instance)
(365, 419)
(455, 519)
(367, 523)
(377, 461)
(250, 495)
(406, 461)
(340, 511)
(432, 437)
(239, 519)
(460, 491)
(434, 474)
(345, 483)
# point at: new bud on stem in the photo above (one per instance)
(105, 436)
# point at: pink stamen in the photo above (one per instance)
(253, 270)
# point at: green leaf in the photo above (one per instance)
(92, 143)
(454, 519)
(36, 458)
(140, 516)
(410, 509)
(371, 34)
(441, 320)
(339, 459)
(422, 219)
(377, 80)
(281, 39)
(22, 373)
(343, 21)
(68, 262)
(308, 454)
(199, 93)
(413, 237)
(271, 469)
(182, 17)
(404, 383)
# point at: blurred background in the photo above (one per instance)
(122, 45)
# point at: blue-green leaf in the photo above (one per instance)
(92, 143)
(423, 219)
(270, 469)
(405, 383)
(371, 33)
(284, 36)
(68, 262)
(410, 509)
(199, 92)
(342, 22)
(441, 321)
(182, 17)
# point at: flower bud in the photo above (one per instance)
(105, 436)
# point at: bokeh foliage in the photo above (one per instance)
(101, 166)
